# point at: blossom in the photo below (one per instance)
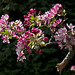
(48, 15)
(71, 27)
(61, 34)
(72, 68)
(39, 12)
(4, 38)
(62, 31)
(35, 30)
(58, 21)
(45, 38)
(60, 45)
(20, 53)
(53, 25)
(32, 38)
(72, 41)
(6, 17)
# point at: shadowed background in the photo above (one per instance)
(36, 64)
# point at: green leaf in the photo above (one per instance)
(65, 14)
(10, 37)
(6, 32)
(31, 38)
(30, 43)
(3, 32)
(31, 25)
(7, 36)
(32, 17)
(42, 43)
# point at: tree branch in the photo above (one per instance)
(51, 43)
(66, 60)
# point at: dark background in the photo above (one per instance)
(36, 64)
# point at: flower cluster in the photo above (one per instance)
(29, 41)
(10, 29)
(3, 22)
(27, 18)
(47, 16)
(30, 37)
(65, 37)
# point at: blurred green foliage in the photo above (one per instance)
(36, 64)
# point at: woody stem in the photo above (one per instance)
(66, 60)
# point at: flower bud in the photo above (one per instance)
(45, 38)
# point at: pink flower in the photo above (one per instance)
(54, 25)
(35, 30)
(4, 38)
(54, 10)
(60, 45)
(6, 17)
(61, 35)
(72, 68)
(26, 19)
(72, 41)
(62, 31)
(58, 21)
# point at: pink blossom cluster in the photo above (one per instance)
(55, 23)
(3, 22)
(29, 41)
(10, 29)
(47, 16)
(66, 37)
(27, 21)
(30, 37)
(3, 26)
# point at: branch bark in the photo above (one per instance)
(66, 60)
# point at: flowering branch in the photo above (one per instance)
(30, 37)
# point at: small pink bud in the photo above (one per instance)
(40, 51)
(24, 21)
(35, 10)
(39, 12)
(33, 13)
(60, 12)
(45, 38)
(25, 25)
(24, 16)
(31, 10)
(28, 23)
(37, 51)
